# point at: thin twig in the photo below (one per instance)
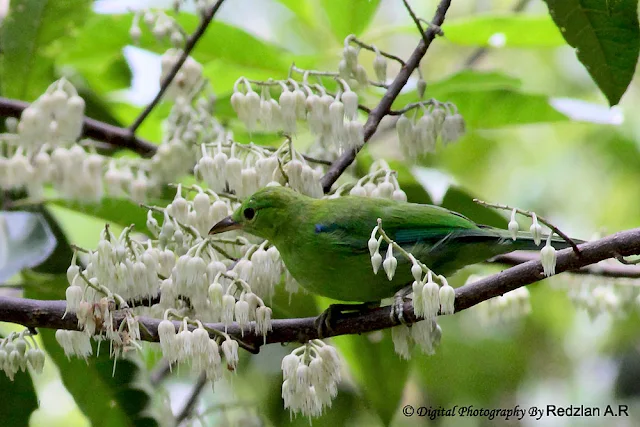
(373, 49)
(48, 314)
(160, 372)
(530, 214)
(94, 129)
(383, 107)
(481, 52)
(190, 404)
(607, 268)
(166, 82)
(415, 19)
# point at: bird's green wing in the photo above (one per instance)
(349, 222)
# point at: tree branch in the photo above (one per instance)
(93, 129)
(382, 109)
(603, 269)
(187, 409)
(166, 82)
(48, 314)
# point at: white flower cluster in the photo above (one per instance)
(332, 118)
(261, 268)
(429, 299)
(418, 137)
(36, 150)
(195, 217)
(311, 374)
(239, 168)
(350, 69)
(603, 295)
(548, 252)
(16, 353)
(195, 346)
(380, 182)
(187, 81)
(425, 333)
(41, 148)
(503, 309)
(162, 26)
(244, 169)
(74, 343)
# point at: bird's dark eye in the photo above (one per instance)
(249, 213)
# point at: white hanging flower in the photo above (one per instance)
(548, 258)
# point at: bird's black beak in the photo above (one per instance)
(226, 224)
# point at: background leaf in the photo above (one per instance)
(349, 17)
(488, 100)
(606, 37)
(28, 32)
(378, 371)
(517, 30)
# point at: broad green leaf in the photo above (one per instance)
(349, 17)
(378, 371)
(606, 37)
(222, 42)
(121, 399)
(521, 31)
(488, 100)
(303, 9)
(58, 262)
(26, 36)
(456, 199)
(468, 81)
(468, 371)
(115, 211)
(224, 74)
(18, 399)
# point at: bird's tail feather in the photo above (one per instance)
(524, 241)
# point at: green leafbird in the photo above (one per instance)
(323, 242)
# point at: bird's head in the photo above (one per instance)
(263, 213)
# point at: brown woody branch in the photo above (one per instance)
(166, 82)
(382, 109)
(48, 314)
(94, 129)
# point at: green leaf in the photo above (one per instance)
(465, 368)
(488, 100)
(59, 261)
(379, 372)
(303, 9)
(121, 399)
(19, 399)
(26, 36)
(456, 199)
(221, 42)
(115, 211)
(606, 37)
(349, 17)
(516, 30)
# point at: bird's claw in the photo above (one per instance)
(324, 322)
(397, 307)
